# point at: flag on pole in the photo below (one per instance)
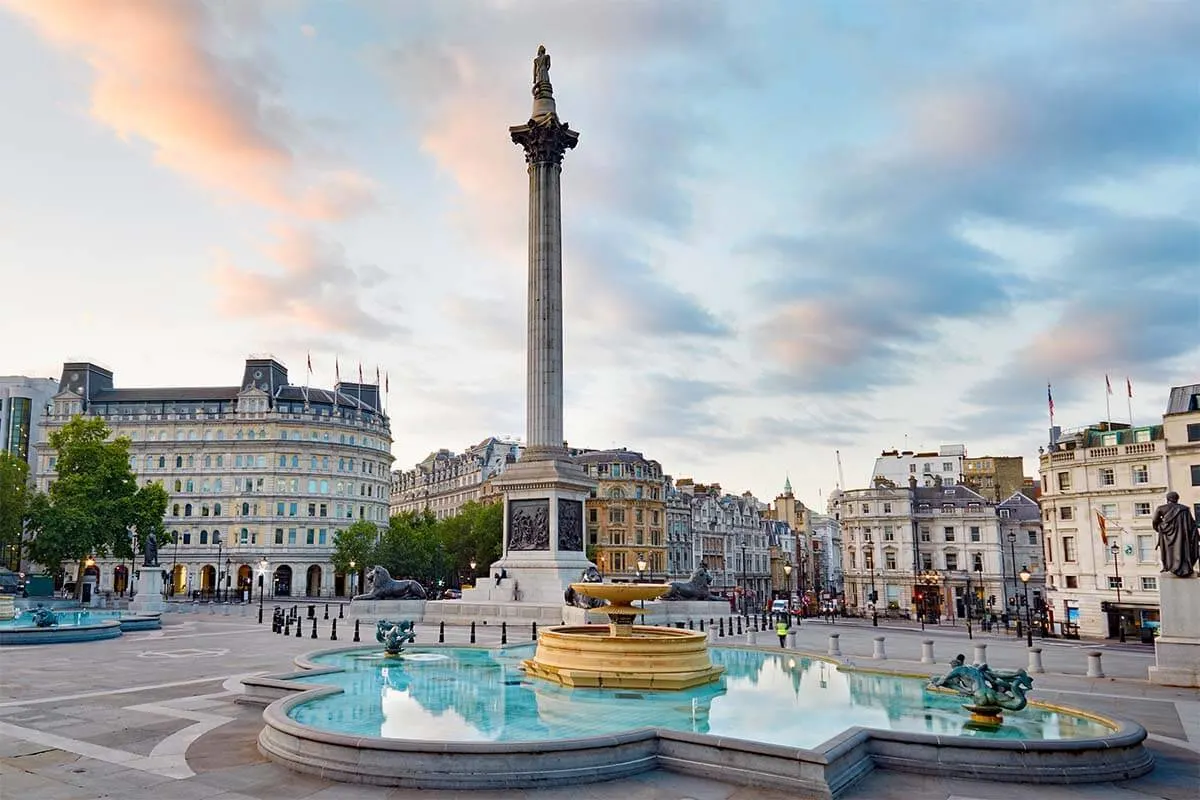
(1050, 400)
(377, 381)
(1128, 387)
(386, 383)
(337, 370)
(310, 362)
(1103, 528)
(360, 372)
(1107, 384)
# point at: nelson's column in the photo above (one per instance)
(544, 492)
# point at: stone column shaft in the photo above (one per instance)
(544, 399)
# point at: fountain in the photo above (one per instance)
(991, 692)
(622, 655)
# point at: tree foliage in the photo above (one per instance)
(15, 503)
(426, 549)
(355, 544)
(94, 502)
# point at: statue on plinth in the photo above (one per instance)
(385, 587)
(151, 551)
(1178, 538)
(990, 691)
(541, 67)
(695, 588)
(574, 598)
(394, 635)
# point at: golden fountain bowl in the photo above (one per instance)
(621, 595)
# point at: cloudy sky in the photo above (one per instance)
(790, 227)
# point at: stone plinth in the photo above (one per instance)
(543, 530)
(490, 590)
(392, 610)
(1177, 648)
(149, 597)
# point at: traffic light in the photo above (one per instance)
(874, 596)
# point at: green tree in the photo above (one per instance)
(485, 534)
(408, 548)
(95, 500)
(15, 503)
(354, 548)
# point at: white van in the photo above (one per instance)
(779, 607)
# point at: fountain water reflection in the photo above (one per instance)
(482, 695)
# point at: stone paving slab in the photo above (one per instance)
(187, 667)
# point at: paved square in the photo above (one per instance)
(153, 715)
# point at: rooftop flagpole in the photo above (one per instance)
(1129, 399)
(1108, 401)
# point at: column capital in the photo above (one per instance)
(545, 139)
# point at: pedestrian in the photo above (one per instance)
(781, 629)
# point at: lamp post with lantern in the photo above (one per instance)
(1115, 549)
(1024, 576)
(262, 577)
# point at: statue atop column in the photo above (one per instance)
(1178, 538)
(541, 74)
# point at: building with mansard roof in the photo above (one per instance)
(445, 481)
(260, 470)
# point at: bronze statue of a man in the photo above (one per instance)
(1178, 538)
(151, 551)
(541, 66)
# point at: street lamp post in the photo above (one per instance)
(353, 581)
(969, 600)
(228, 569)
(929, 580)
(262, 577)
(1012, 548)
(1115, 549)
(1024, 576)
(641, 567)
(745, 580)
(787, 572)
(981, 590)
(217, 585)
(473, 565)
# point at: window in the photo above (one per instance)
(1072, 581)
(1032, 537)
(977, 562)
(187, 538)
(1195, 474)
(889, 533)
(975, 534)
(889, 560)
(869, 559)
(175, 510)
(947, 466)
(887, 508)
(616, 516)
(217, 507)
(1149, 584)
(1066, 512)
(293, 509)
(1108, 476)
(949, 532)
(1064, 481)
(1141, 473)
(1068, 548)
(1193, 432)
(1109, 510)
(925, 535)
(1141, 509)
(927, 561)
(279, 536)
(203, 537)
(187, 510)
(311, 537)
(1116, 582)
(1145, 549)
(866, 509)
(951, 561)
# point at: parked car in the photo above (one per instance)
(452, 594)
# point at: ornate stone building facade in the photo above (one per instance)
(261, 470)
(1113, 473)
(729, 536)
(444, 481)
(625, 520)
(927, 549)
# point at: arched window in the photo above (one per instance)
(312, 487)
(175, 510)
(216, 509)
(203, 537)
(207, 462)
(191, 461)
(220, 461)
(191, 487)
(341, 465)
(162, 462)
(245, 509)
(208, 435)
(250, 435)
(149, 462)
(238, 436)
(187, 510)
(295, 461)
(217, 485)
(191, 436)
(204, 485)
(178, 485)
(313, 463)
(220, 436)
(325, 462)
(178, 461)
(324, 487)
(204, 509)
(262, 461)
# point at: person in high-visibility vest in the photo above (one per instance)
(781, 628)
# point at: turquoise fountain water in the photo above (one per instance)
(475, 695)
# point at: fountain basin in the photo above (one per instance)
(76, 625)
(649, 658)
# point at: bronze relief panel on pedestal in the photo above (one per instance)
(529, 525)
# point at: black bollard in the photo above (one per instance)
(730, 626)
(260, 615)
(287, 627)
(333, 631)
(503, 632)
(314, 631)
(721, 630)
(691, 625)
(739, 626)
(341, 610)
(299, 629)
(702, 626)
(356, 631)
(472, 631)
(442, 632)
(533, 636)
(327, 611)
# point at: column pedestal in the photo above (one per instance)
(543, 529)
(149, 598)
(1177, 648)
